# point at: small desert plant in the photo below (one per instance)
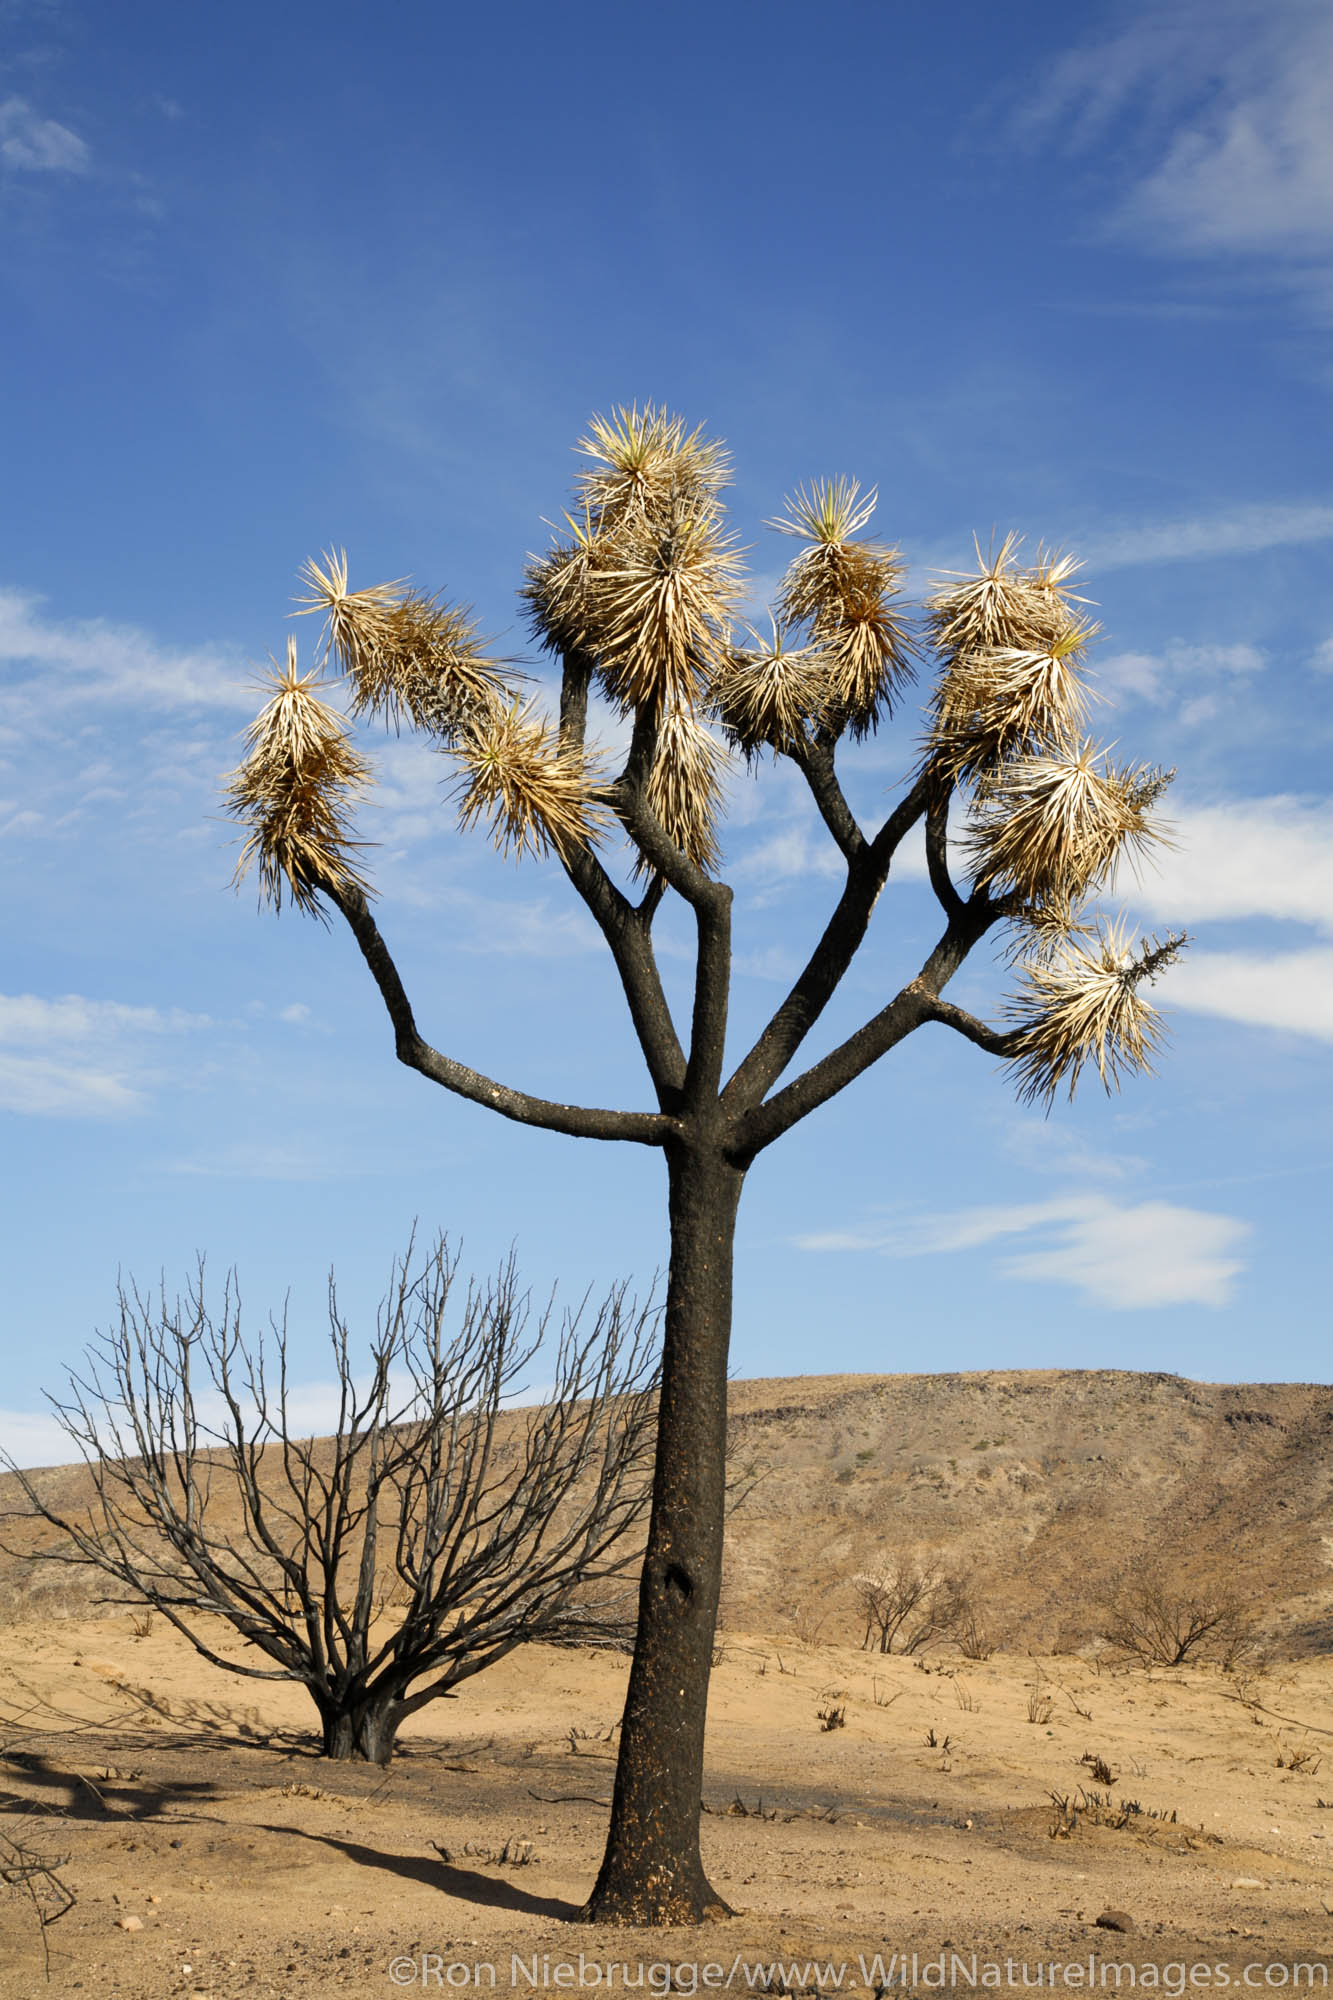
(1098, 1769)
(878, 1695)
(934, 1742)
(832, 1718)
(963, 1695)
(1039, 1707)
(1302, 1758)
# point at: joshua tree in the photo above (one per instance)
(636, 601)
(426, 1538)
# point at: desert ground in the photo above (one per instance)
(956, 1806)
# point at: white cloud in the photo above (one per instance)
(1322, 657)
(1268, 857)
(38, 145)
(1291, 989)
(27, 1019)
(33, 1437)
(91, 660)
(1226, 116)
(43, 1087)
(1242, 531)
(1121, 1255)
(74, 1057)
(1253, 171)
(1178, 667)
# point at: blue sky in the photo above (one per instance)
(284, 278)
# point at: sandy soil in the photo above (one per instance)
(212, 1853)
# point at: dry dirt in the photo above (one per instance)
(191, 1807)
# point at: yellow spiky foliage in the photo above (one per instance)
(766, 695)
(642, 459)
(644, 582)
(1012, 643)
(660, 603)
(558, 590)
(1080, 1003)
(294, 791)
(407, 656)
(1053, 825)
(843, 590)
(684, 788)
(535, 792)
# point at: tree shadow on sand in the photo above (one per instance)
(463, 1883)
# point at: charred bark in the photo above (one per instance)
(652, 1871)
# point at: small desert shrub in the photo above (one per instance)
(832, 1718)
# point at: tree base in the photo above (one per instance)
(653, 1899)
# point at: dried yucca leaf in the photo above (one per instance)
(659, 605)
(294, 791)
(1081, 1004)
(1039, 930)
(535, 791)
(559, 589)
(1054, 824)
(644, 459)
(406, 655)
(1004, 604)
(765, 695)
(1000, 702)
(684, 788)
(843, 589)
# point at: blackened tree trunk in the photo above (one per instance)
(652, 1872)
(362, 1730)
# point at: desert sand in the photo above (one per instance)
(954, 1809)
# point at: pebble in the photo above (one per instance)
(131, 1923)
(1248, 1882)
(1116, 1920)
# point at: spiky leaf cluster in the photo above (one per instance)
(764, 695)
(1052, 826)
(841, 591)
(1011, 642)
(294, 791)
(534, 791)
(684, 788)
(1081, 1004)
(645, 582)
(406, 656)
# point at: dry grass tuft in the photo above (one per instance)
(1081, 1004)
(294, 791)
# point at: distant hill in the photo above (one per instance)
(1046, 1486)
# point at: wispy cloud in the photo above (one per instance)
(1225, 113)
(75, 1058)
(1322, 657)
(93, 661)
(1122, 1255)
(1241, 531)
(32, 144)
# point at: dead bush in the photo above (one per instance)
(1161, 1623)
